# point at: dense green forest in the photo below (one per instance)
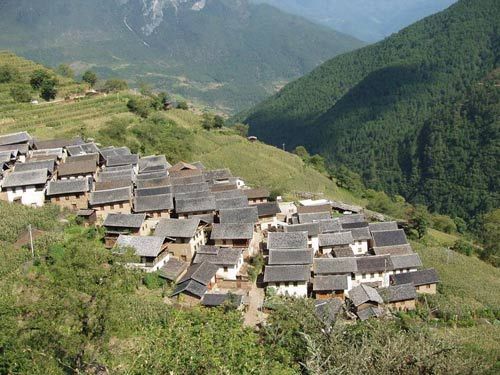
(229, 54)
(415, 115)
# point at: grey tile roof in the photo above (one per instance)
(283, 240)
(18, 148)
(389, 238)
(268, 209)
(115, 175)
(352, 218)
(218, 299)
(361, 234)
(154, 182)
(241, 231)
(217, 174)
(374, 263)
(202, 273)
(332, 266)
(384, 225)
(393, 250)
(83, 167)
(328, 310)
(342, 252)
(153, 176)
(330, 226)
(177, 228)
(85, 148)
(118, 160)
(183, 206)
(397, 293)
(205, 218)
(190, 188)
(189, 180)
(112, 184)
(198, 164)
(257, 193)
(406, 261)
(144, 246)
(55, 143)
(291, 256)
(78, 158)
(287, 273)
(223, 187)
(224, 257)
(28, 178)
(356, 225)
(182, 166)
(172, 269)
(153, 203)
(418, 278)
(363, 294)
(194, 195)
(370, 312)
(80, 185)
(108, 152)
(14, 138)
(309, 218)
(208, 249)
(335, 239)
(110, 196)
(153, 164)
(222, 204)
(53, 153)
(314, 209)
(133, 221)
(239, 215)
(160, 190)
(35, 165)
(330, 282)
(312, 229)
(191, 287)
(227, 194)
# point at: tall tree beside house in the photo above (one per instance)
(414, 115)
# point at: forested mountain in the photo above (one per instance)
(227, 53)
(416, 114)
(367, 20)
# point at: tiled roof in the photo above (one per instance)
(393, 250)
(332, 266)
(218, 299)
(222, 204)
(389, 238)
(133, 221)
(202, 273)
(418, 278)
(223, 187)
(290, 256)
(286, 273)
(177, 228)
(144, 246)
(55, 143)
(35, 165)
(361, 234)
(14, 138)
(173, 268)
(375, 263)
(83, 167)
(256, 193)
(314, 209)
(364, 293)
(190, 188)
(397, 293)
(330, 282)
(330, 226)
(312, 229)
(335, 239)
(370, 312)
(217, 174)
(160, 190)
(195, 205)
(239, 215)
(153, 203)
(80, 185)
(241, 231)
(352, 218)
(284, 240)
(82, 149)
(227, 194)
(342, 252)
(189, 180)
(78, 158)
(28, 178)
(110, 196)
(112, 184)
(309, 218)
(268, 209)
(154, 182)
(191, 287)
(406, 261)
(119, 160)
(153, 164)
(382, 226)
(223, 257)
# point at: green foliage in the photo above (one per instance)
(65, 71)
(8, 74)
(207, 121)
(348, 179)
(241, 129)
(218, 122)
(89, 77)
(413, 115)
(140, 106)
(38, 77)
(301, 152)
(21, 93)
(444, 223)
(183, 105)
(315, 161)
(490, 236)
(256, 267)
(463, 247)
(48, 89)
(153, 281)
(419, 220)
(113, 85)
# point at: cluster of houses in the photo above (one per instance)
(198, 228)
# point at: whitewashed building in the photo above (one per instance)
(27, 188)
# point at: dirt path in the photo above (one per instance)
(254, 315)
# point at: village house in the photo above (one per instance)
(256, 196)
(405, 263)
(87, 217)
(227, 203)
(173, 269)
(330, 286)
(77, 169)
(229, 261)
(149, 164)
(83, 149)
(269, 215)
(287, 240)
(45, 144)
(314, 209)
(111, 201)
(48, 165)
(154, 206)
(330, 226)
(425, 281)
(217, 176)
(198, 279)
(342, 252)
(232, 235)
(113, 184)
(336, 267)
(365, 301)
(312, 230)
(196, 206)
(353, 221)
(313, 217)
(185, 236)
(288, 280)
(27, 188)
(399, 297)
(373, 270)
(152, 251)
(389, 238)
(70, 194)
(129, 224)
(330, 241)
(383, 226)
(362, 238)
(232, 300)
(239, 215)
(14, 139)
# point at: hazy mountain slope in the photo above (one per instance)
(367, 109)
(365, 19)
(228, 53)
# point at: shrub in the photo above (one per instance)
(183, 105)
(153, 281)
(113, 85)
(139, 106)
(21, 93)
(444, 223)
(90, 77)
(463, 247)
(48, 90)
(38, 77)
(8, 74)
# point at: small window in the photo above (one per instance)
(295, 283)
(287, 284)
(225, 269)
(428, 286)
(363, 276)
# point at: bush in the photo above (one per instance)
(183, 105)
(139, 106)
(21, 93)
(8, 74)
(90, 77)
(153, 281)
(38, 77)
(48, 90)
(65, 70)
(113, 85)
(444, 223)
(463, 247)
(241, 129)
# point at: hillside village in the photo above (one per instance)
(201, 229)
